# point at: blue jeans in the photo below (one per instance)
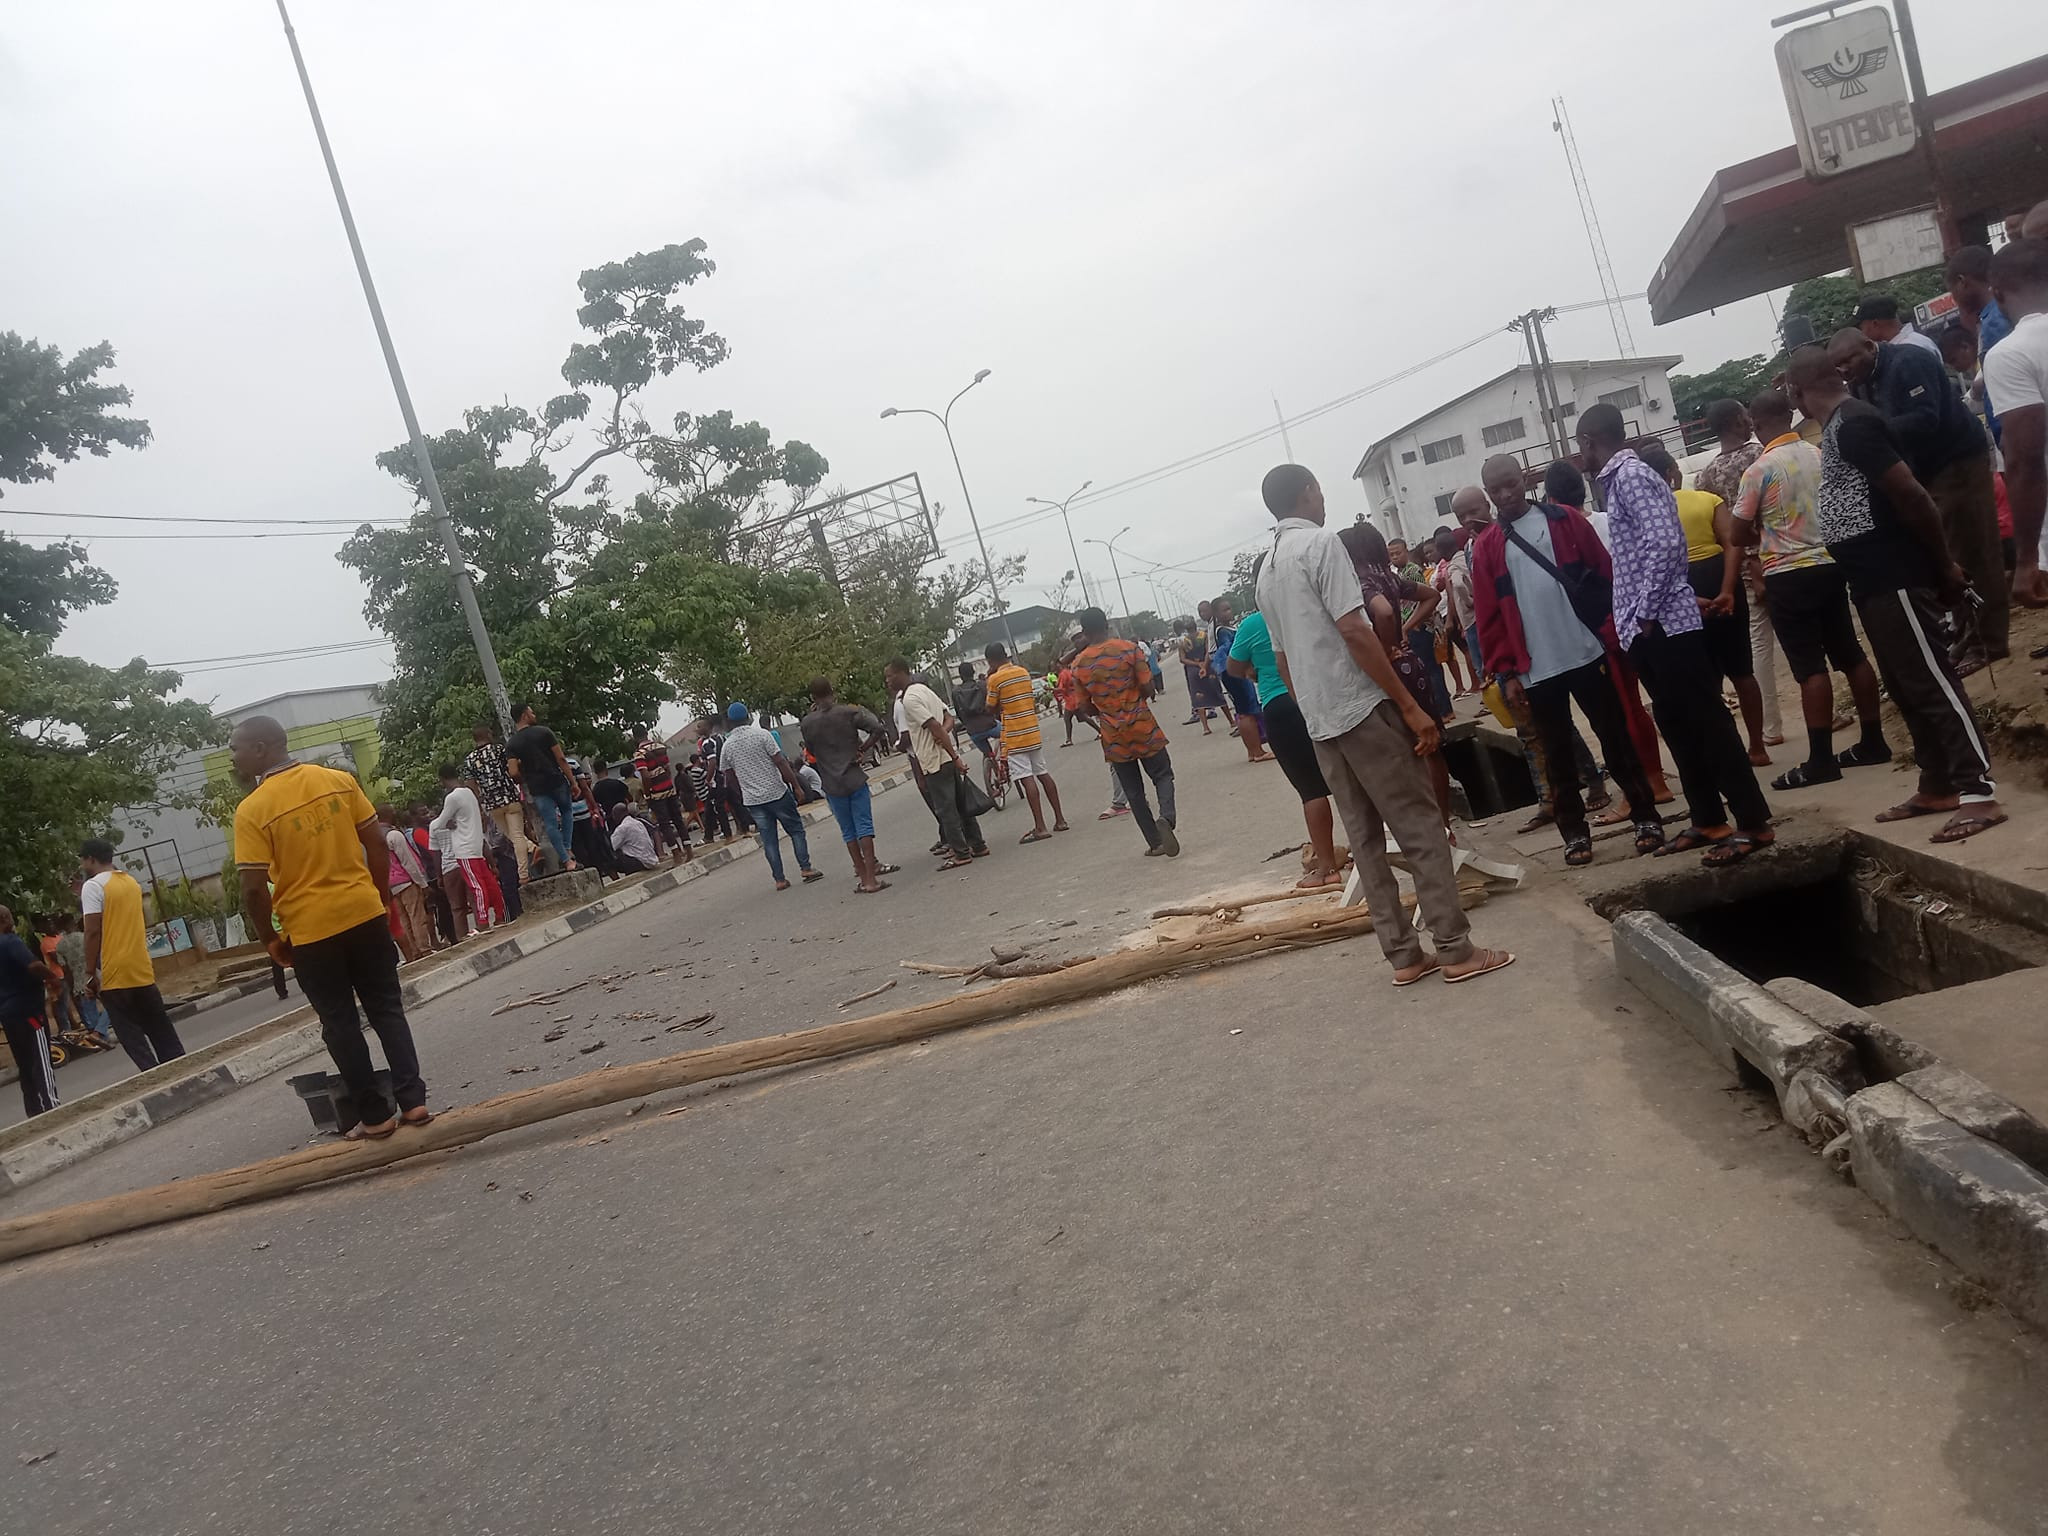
(555, 810)
(781, 813)
(855, 813)
(1472, 646)
(93, 1015)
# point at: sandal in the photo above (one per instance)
(888, 869)
(1488, 961)
(361, 1132)
(1906, 810)
(1429, 968)
(1862, 756)
(1035, 836)
(1649, 837)
(954, 864)
(420, 1116)
(870, 890)
(813, 874)
(1736, 847)
(1809, 775)
(1966, 824)
(1690, 839)
(1578, 851)
(1613, 816)
(1535, 823)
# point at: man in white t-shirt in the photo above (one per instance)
(2016, 377)
(1369, 731)
(462, 853)
(941, 774)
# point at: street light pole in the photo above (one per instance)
(1086, 597)
(945, 421)
(1115, 570)
(451, 546)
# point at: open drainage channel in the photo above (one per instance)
(1772, 973)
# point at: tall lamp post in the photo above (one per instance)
(1040, 501)
(945, 420)
(1110, 545)
(423, 461)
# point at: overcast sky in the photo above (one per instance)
(1147, 220)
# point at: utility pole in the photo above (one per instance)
(1531, 327)
(1923, 132)
(1285, 445)
(458, 567)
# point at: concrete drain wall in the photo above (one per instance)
(1961, 1167)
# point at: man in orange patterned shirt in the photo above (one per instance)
(1116, 685)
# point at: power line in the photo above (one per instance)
(285, 653)
(233, 522)
(302, 533)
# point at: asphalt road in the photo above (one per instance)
(1506, 1257)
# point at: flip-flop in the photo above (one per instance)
(1962, 827)
(1535, 824)
(813, 874)
(1860, 757)
(879, 886)
(1312, 883)
(1500, 960)
(888, 869)
(1035, 836)
(1734, 848)
(1807, 776)
(1613, 816)
(1688, 841)
(782, 885)
(1430, 969)
(361, 1132)
(426, 1116)
(954, 864)
(1907, 810)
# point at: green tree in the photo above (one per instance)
(598, 610)
(53, 409)
(1738, 379)
(1830, 301)
(77, 741)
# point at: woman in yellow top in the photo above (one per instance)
(1714, 566)
(311, 834)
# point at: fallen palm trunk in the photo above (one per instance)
(185, 1198)
(1235, 904)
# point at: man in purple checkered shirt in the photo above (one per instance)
(1657, 621)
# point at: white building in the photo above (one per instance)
(1410, 474)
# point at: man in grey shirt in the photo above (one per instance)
(767, 786)
(834, 734)
(1370, 734)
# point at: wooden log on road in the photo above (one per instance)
(67, 1225)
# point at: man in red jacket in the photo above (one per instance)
(1525, 569)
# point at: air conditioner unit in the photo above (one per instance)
(1656, 405)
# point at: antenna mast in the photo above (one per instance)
(1561, 125)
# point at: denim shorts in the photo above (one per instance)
(855, 813)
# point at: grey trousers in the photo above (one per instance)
(1380, 784)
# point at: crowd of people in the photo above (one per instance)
(1869, 516)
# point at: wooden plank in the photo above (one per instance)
(185, 1198)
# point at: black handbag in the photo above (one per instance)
(974, 799)
(1590, 594)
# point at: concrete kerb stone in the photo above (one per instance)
(149, 1099)
(1980, 1206)
(1733, 1017)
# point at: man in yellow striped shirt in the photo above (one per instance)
(1014, 700)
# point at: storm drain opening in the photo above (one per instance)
(1494, 776)
(1867, 932)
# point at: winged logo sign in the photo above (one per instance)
(1848, 98)
(1847, 70)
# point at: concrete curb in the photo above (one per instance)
(1963, 1169)
(196, 1005)
(138, 1104)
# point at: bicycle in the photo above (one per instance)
(995, 773)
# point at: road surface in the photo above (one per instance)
(1276, 1248)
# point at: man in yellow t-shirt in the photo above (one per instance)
(117, 967)
(312, 835)
(1013, 699)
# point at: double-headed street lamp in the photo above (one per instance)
(1040, 501)
(1110, 545)
(945, 420)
